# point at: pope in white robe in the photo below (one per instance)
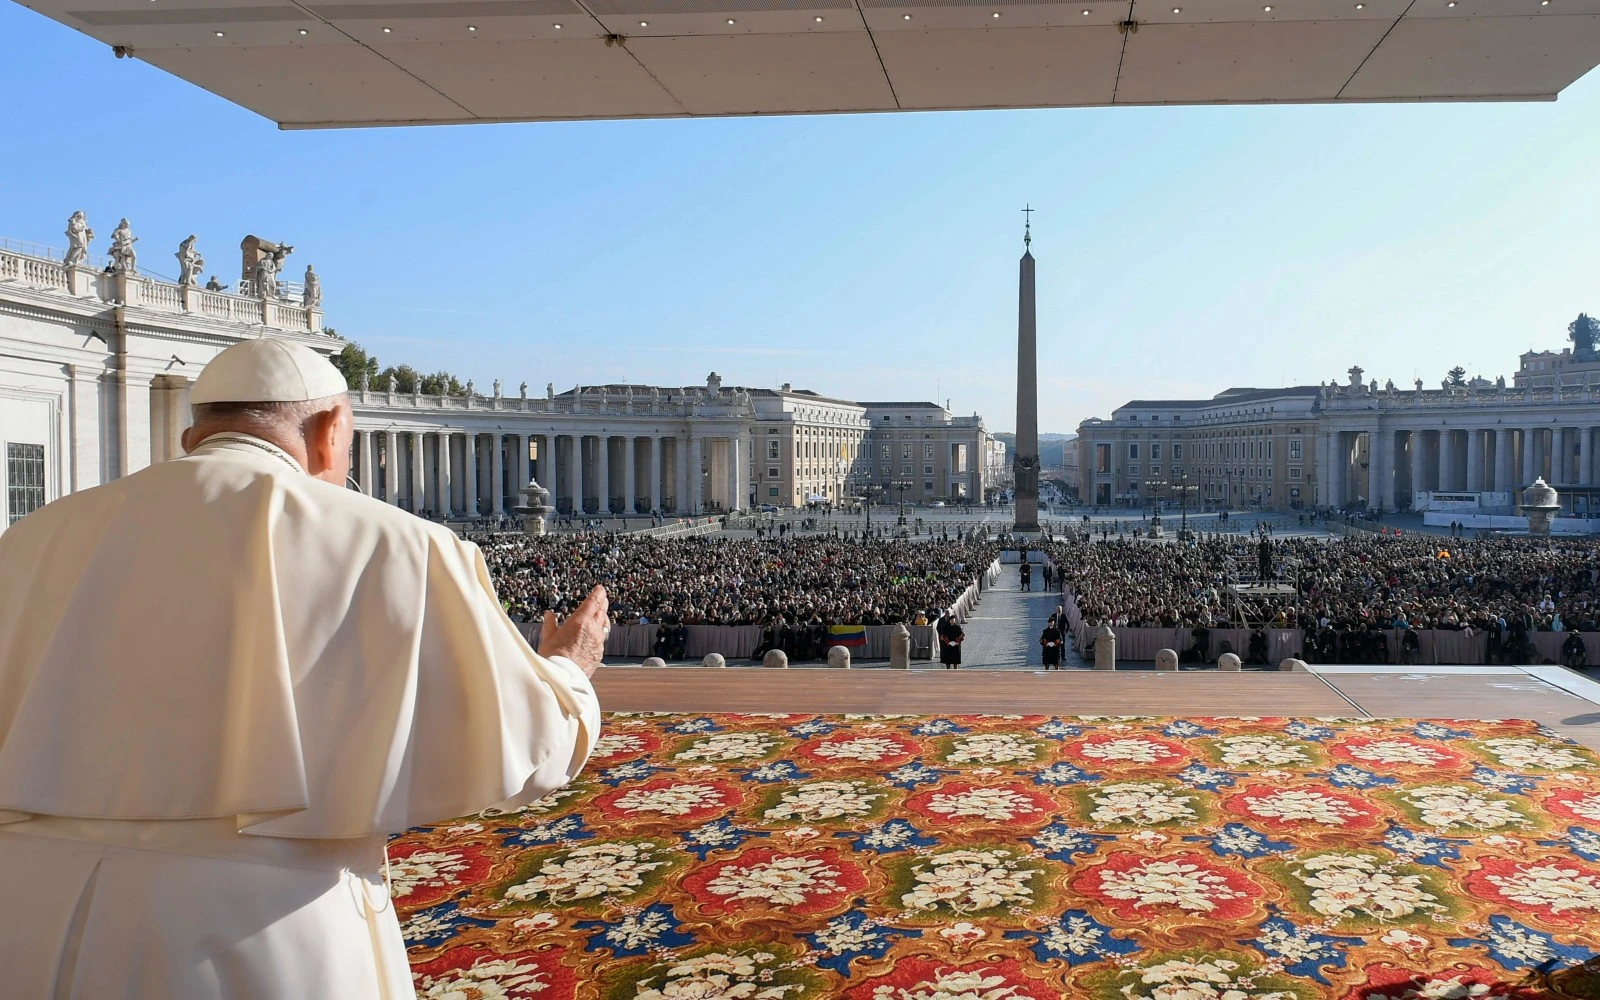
(224, 680)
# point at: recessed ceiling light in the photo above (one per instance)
(303, 31)
(1267, 7)
(1361, 6)
(558, 27)
(819, 18)
(387, 30)
(472, 27)
(905, 17)
(730, 20)
(219, 34)
(1177, 10)
(1086, 13)
(1452, 3)
(995, 14)
(644, 24)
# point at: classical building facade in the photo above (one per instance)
(97, 356)
(1243, 446)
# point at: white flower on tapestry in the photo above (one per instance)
(841, 936)
(1520, 943)
(729, 746)
(537, 922)
(991, 748)
(782, 881)
(718, 976)
(589, 871)
(425, 868)
(670, 800)
(951, 984)
(863, 748)
(1074, 936)
(1260, 749)
(1587, 806)
(490, 979)
(1396, 752)
(967, 881)
(983, 803)
(1522, 753)
(819, 800)
(1460, 805)
(962, 932)
(1351, 885)
(614, 744)
(1298, 804)
(1185, 979)
(1139, 802)
(1560, 889)
(1130, 748)
(1172, 883)
(1396, 937)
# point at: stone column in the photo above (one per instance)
(577, 474)
(1502, 459)
(1475, 459)
(630, 473)
(366, 450)
(1375, 460)
(697, 479)
(419, 460)
(470, 468)
(497, 474)
(1418, 444)
(1561, 455)
(602, 471)
(391, 467)
(655, 472)
(736, 487)
(1530, 455)
(447, 499)
(1585, 456)
(1447, 460)
(1324, 497)
(524, 465)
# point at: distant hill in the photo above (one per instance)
(1049, 446)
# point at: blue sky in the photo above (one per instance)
(1180, 250)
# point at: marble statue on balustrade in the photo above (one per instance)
(1418, 384)
(470, 390)
(549, 390)
(524, 390)
(496, 388)
(215, 286)
(311, 295)
(1355, 373)
(190, 263)
(366, 381)
(124, 259)
(78, 236)
(394, 384)
(267, 275)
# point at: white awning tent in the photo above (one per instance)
(321, 64)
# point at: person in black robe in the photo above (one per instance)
(1025, 574)
(950, 636)
(1050, 645)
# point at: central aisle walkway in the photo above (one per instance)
(1003, 632)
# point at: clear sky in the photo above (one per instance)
(1180, 250)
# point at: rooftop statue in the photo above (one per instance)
(190, 263)
(311, 297)
(1355, 373)
(78, 236)
(496, 388)
(524, 390)
(1418, 383)
(124, 259)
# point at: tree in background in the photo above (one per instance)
(1456, 377)
(354, 360)
(1585, 333)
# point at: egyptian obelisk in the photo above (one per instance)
(1025, 465)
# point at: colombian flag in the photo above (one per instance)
(847, 635)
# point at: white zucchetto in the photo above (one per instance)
(267, 371)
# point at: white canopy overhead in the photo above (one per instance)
(313, 64)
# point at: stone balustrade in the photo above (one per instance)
(144, 292)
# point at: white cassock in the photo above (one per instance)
(222, 682)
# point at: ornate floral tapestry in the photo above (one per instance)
(792, 857)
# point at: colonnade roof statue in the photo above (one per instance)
(461, 61)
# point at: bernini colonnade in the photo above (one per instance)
(1385, 446)
(680, 451)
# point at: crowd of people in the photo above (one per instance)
(796, 581)
(1338, 590)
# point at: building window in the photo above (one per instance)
(1294, 473)
(1177, 453)
(905, 470)
(772, 491)
(1155, 449)
(772, 472)
(927, 486)
(885, 453)
(1269, 449)
(905, 453)
(1294, 449)
(24, 479)
(1102, 458)
(927, 450)
(927, 470)
(1133, 450)
(1133, 470)
(772, 451)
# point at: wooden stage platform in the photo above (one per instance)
(1559, 698)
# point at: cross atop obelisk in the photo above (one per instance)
(1025, 465)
